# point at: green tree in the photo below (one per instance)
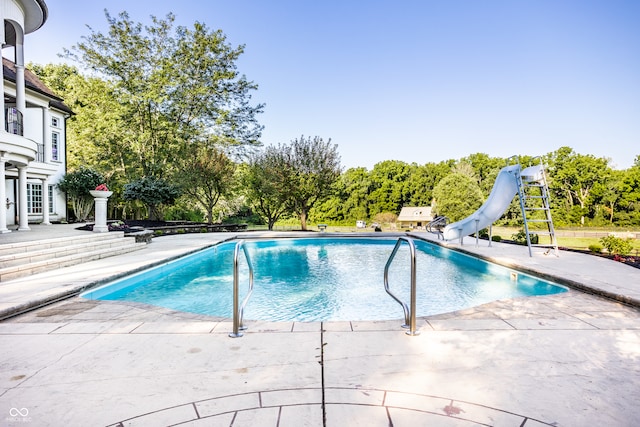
(573, 177)
(207, 176)
(266, 179)
(315, 167)
(388, 190)
(457, 196)
(356, 190)
(77, 185)
(423, 179)
(176, 87)
(153, 192)
(629, 202)
(485, 169)
(611, 191)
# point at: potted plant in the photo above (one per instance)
(101, 192)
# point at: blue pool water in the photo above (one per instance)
(324, 279)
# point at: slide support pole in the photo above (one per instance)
(477, 237)
(490, 234)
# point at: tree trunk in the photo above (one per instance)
(303, 219)
(209, 214)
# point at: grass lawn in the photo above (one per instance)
(582, 243)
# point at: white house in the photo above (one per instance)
(32, 132)
(415, 217)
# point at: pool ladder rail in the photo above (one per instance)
(437, 225)
(238, 309)
(410, 310)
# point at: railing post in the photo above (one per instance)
(412, 324)
(409, 312)
(238, 309)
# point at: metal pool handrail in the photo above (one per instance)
(409, 312)
(238, 310)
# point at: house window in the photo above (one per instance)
(51, 210)
(55, 122)
(55, 144)
(34, 198)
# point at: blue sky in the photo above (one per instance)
(418, 81)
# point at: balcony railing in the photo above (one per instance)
(13, 121)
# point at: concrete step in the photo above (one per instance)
(21, 247)
(51, 258)
(60, 248)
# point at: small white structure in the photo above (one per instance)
(32, 127)
(415, 217)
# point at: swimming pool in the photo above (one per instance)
(324, 279)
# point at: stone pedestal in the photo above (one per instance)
(100, 199)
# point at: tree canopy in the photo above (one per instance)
(456, 196)
(173, 87)
(292, 178)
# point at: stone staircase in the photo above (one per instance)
(27, 258)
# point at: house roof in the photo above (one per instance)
(416, 213)
(32, 82)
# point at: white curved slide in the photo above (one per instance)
(502, 193)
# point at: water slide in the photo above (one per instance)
(503, 191)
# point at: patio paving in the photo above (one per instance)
(569, 359)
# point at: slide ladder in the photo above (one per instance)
(533, 193)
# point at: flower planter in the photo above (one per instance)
(101, 194)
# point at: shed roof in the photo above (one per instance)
(415, 213)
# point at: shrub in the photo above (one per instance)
(77, 185)
(616, 245)
(181, 212)
(496, 238)
(521, 238)
(153, 192)
(595, 248)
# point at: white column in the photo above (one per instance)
(3, 197)
(45, 202)
(21, 104)
(22, 199)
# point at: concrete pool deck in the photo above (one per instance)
(563, 360)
